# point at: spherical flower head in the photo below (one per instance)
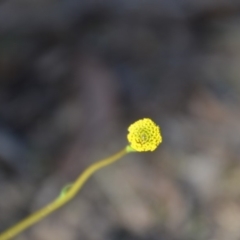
(144, 135)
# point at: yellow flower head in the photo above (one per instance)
(144, 135)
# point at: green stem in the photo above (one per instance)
(54, 205)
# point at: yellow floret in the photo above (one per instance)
(144, 135)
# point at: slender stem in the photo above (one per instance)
(54, 205)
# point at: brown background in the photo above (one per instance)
(75, 74)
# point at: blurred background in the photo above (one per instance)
(75, 74)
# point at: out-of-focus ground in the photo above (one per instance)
(75, 74)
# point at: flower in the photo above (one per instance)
(144, 135)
